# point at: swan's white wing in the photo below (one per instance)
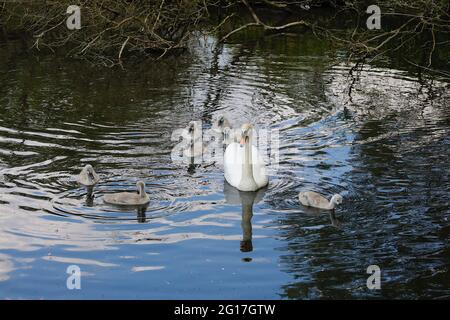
(259, 169)
(233, 159)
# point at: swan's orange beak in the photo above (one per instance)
(242, 141)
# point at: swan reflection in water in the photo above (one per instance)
(334, 220)
(141, 214)
(246, 199)
(90, 196)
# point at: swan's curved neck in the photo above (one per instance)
(142, 193)
(332, 204)
(247, 165)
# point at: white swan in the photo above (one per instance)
(316, 200)
(88, 177)
(244, 168)
(129, 198)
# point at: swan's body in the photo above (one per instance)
(129, 198)
(316, 200)
(244, 167)
(88, 177)
(195, 146)
(194, 149)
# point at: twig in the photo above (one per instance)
(123, 46)
(432, 48)
(259, 23)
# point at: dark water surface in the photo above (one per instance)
(386, 150)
